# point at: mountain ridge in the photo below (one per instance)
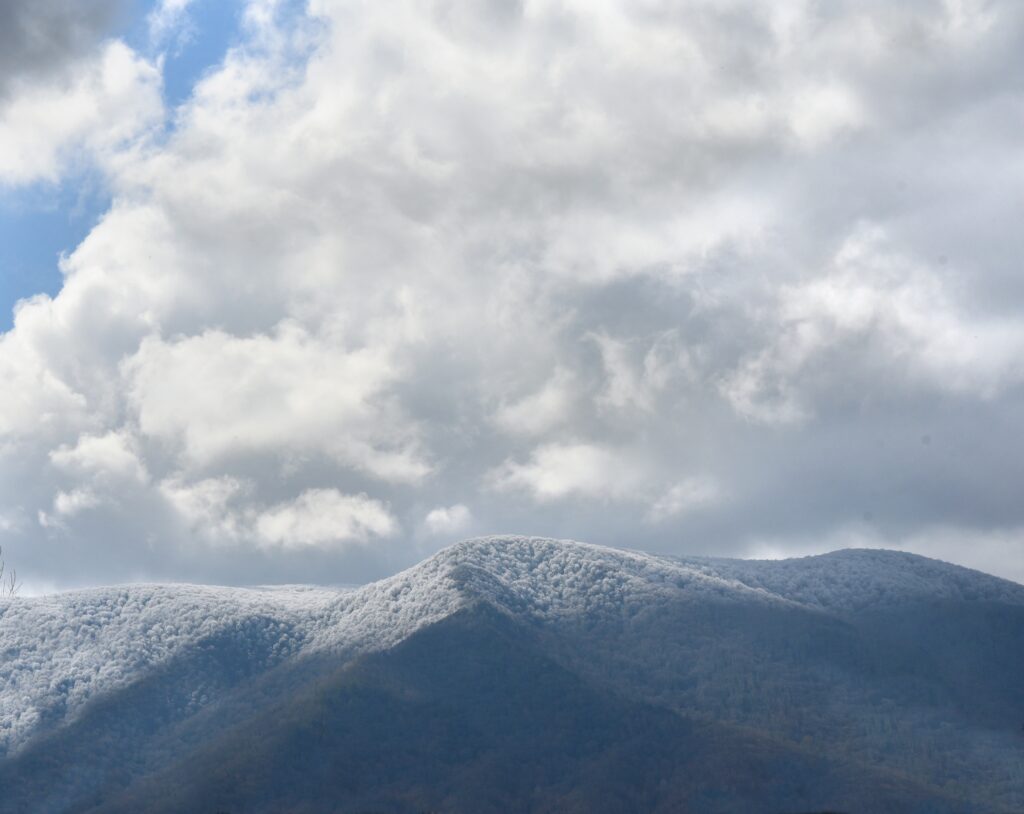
(600, 579)
(874, 659)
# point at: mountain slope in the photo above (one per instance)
(58, 653)
(893, 672)
(470, 714)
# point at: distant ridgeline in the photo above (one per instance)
(526, 675)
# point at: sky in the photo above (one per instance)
(303, 292)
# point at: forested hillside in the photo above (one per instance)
(526, 674)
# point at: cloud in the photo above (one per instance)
(291, 394)
(222, 511)
(69, 503)
(556, 471)
(686, 496)
(165, 16)
(212, 508)
(92, 103)
(668, 275)
(325, 516)
(540, 411)
(100, 457)
(822, 113)
(873, 313)
(447, 521)
(624, 387)
(41, 39)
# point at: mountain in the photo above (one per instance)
(526, 674)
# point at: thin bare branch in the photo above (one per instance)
(9, 585)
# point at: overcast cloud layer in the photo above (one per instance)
(718, 277)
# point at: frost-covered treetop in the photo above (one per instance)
(58, 652)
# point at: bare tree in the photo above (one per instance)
(9, 585)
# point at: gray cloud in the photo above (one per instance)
(689, 277)
(39, 39)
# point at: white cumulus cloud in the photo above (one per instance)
(645, 273)
(324, 517)
(447, 520)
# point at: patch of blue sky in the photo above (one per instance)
(206, 31)
(209, 28)
(37, 224)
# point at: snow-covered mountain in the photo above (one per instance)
(871, 678)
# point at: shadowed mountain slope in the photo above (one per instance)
(469, 714)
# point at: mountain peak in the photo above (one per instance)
(548, 579)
